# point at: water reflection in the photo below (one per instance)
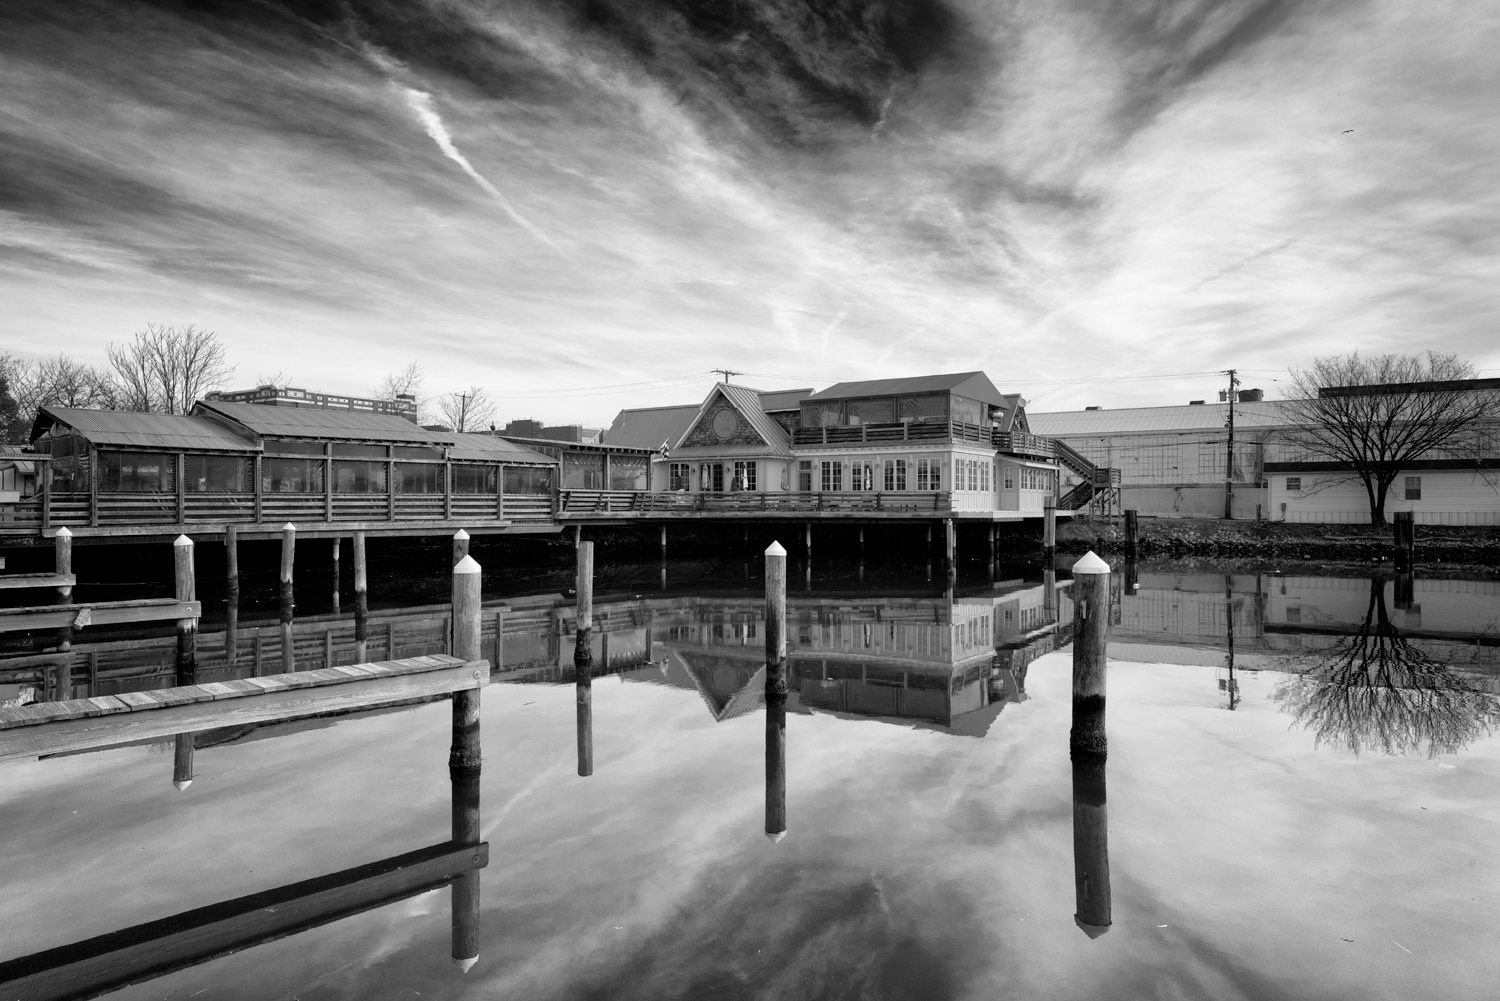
(1377, 689)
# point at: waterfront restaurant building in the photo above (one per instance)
(952, 439)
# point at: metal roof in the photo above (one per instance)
(974, 385)
(122, 427)
(310, 422)
(783, 399)
(650, 427)
(488, 448)
(747, 402)
(1145, 420)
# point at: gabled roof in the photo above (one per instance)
(747, 402)
(123, 427)
(310, 422)
(650, 427)
(974, 385)
(1144, 420)
(488, 448)
(783, 399)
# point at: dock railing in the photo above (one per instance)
(585, 503)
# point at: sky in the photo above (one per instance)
(590, 204)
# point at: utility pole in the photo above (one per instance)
(1234, 381)
(726, 372)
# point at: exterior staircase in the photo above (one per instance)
(1100, 487)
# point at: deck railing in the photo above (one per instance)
(1022, 443)
(603, 503)
(864, 434)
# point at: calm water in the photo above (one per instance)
(1317, 820)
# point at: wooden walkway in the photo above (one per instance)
(80, 724)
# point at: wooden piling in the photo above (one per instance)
(62, 548)
(663, 541)
(467, 591)
(336, 575)
(1090, 849)
(232, 559)
(288, 561)
(1132, 533)
(950, 543)
(583, 659)
(776, 692)
(361, 601)
(186, 585)
(1404, 525)
(1049, 524)
(1091, 579)
(465, 893)
(460, 546)
(807, 543)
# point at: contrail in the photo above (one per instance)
(421, 103)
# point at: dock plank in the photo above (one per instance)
(102, 613)
(15, 580)
(55, 727)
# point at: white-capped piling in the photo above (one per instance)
(776, 692)
(288, 561)
(1091, 577)
(361, 601)
(186, 589)
(467, 591)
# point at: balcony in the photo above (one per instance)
(924, 432)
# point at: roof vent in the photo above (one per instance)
(1252, 395)
(1195, 403)
(1091, 408)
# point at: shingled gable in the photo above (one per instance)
(754, 433)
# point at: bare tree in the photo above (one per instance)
(1377, 414)
(405, 382)
(166, 369)
(1374, 690)
(470, 410)
(57, 381)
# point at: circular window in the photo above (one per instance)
(725, 423)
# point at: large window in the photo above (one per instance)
(895, 474)
(967, 410)
(862, 475)
(291, 476)
(284, 446)
(804, 475)
(411, 478)
(583, 471)
(137, 472)
(471, 478)
(922, 408)
(679, 476)
(744, 475)
(528, 480)
(354, 476)
(882, 411)
(219, 474)
(833, 475)
(929, 474)
(627, 472)
(1413, 488)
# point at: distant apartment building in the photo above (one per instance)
(404, 405)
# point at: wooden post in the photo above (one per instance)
(460, 546)
(583, 659)
(467, 590)
(232, 560)
(465, 893)
(62, 547)
(577, 536)
(187, 652)
(1090, 849)
(950, 543)
(807, 544)
(1091, 578)
(664, 540)
(337, 582)
(1049, 524)
(498, 662)
(776, 692)
(1405, 526)
(288, 561)
(361, 602)
(180, 470)
(1049, 593)
(1132, 534)
(232, 627)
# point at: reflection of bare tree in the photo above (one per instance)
(1375, 691)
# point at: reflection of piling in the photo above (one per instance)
(288, 560)
(187, 651)
(1090, 848)
(776, 691)
(1091, 579)
(1132, 534)
(583, 659)
(1132, 578)
(361, 601)
(1405, 592)
(336, 575)
(1405, 526)
(1049, 594)
(465, 894)
(1049, 524)
(467, 588)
